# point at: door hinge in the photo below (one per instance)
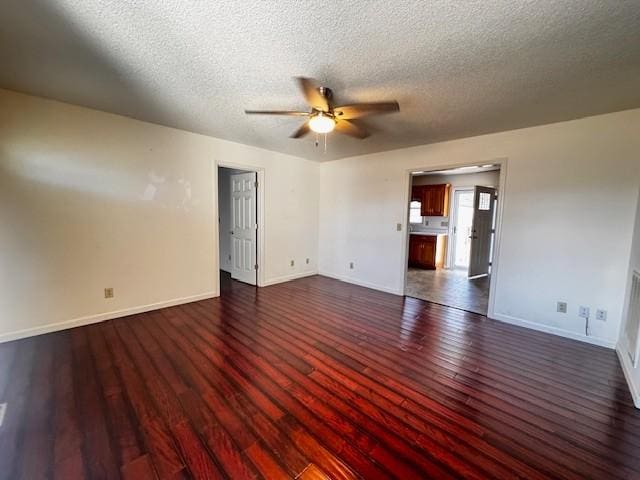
(255, 184)
(255, 266)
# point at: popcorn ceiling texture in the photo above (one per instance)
(458, 68)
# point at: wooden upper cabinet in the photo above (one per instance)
(435, 200)
(416, 193)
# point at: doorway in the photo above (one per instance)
(238, 225)
(452, 232)
(461, 221)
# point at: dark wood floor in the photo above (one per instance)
(313, 379)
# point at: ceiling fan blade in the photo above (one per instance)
(357, 110)
(302, 131)
(351, 129)
(291, 113)
(312, 95)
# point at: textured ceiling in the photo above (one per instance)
(458, 68)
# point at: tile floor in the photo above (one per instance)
(449, 287)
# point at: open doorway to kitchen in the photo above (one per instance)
(452, 233)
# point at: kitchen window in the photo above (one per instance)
(414, 212)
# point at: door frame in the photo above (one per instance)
(260, 216)
(453, 215)
(502, 184)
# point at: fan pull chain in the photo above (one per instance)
(317, 142)
(325, 143)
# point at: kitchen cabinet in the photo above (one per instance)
(427, 251)
(435, 200)
(416, 193)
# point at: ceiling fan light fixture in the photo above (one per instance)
(322, 123)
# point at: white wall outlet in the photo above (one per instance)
(583, 312)
(108, 293)
(601, 315)
(3, 409)
(293, 263)
(351, 265)
(561, 307)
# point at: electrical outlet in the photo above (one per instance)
(601, 315)
(398, 227)
(108, 293)
(293, 263)
(583, 312)
(562, 307)
(3, 409)
(307, 261)
(351, 265)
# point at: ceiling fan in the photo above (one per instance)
(324, 117)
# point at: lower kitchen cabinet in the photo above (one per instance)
(427, 251)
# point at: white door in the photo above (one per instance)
(462, 221)
(244, 227)
(481, 231)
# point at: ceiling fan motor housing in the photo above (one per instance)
(326, 92)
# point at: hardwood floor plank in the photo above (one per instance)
(308, 379)
(439, 378)
(157, 438)
(7, 358)
(37, 428)
(68, 461)
(100, 460)
(265, 463)
(16, 398)
(363, 405)
(120, 418)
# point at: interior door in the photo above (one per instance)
(481, 231)
(244, 227)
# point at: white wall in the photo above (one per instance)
(570, 196)
(632, 374)
(90, 200)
